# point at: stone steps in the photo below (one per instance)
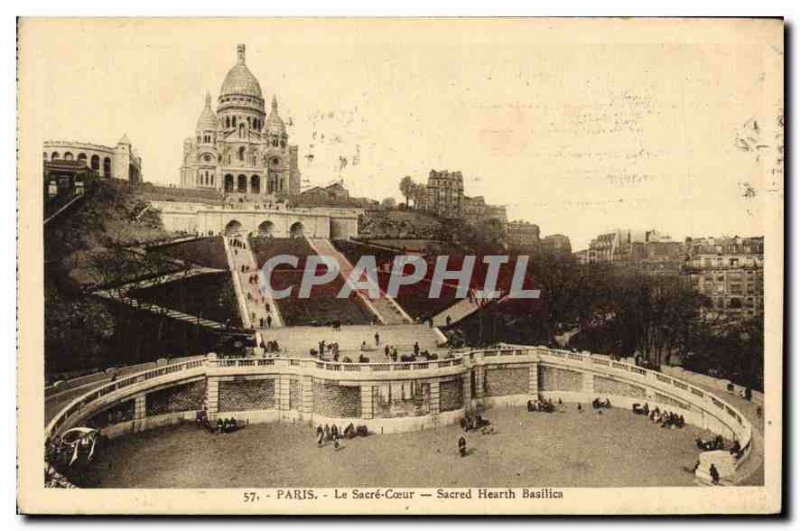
(458, 311)
(159, 310)
(385, 308)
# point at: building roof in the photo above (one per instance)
(207, 119)
(239, 80)
(274, 123)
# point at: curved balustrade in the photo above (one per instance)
(714, 412)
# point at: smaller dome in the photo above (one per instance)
(274, 123)
(208, 120)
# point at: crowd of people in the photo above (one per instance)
(326, 351)
(476, 423)
(599, 403)
(666, 419)
(222, 425)
(333, 433)
(540, 405)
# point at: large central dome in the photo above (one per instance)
(240, 81)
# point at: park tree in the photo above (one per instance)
(419, 194)
(407, 188)
(389, 203)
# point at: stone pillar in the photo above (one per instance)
(367, 406)
(212, 396)
(435, 405)
(306, 395)
(480, 380)
(588, 383)
(533, 379)
(467, 379)
(282, 391)
(140, 406)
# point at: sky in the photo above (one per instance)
(580, 126)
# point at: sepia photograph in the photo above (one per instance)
(400, 265)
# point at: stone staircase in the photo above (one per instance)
(384, 307)
(463, 309)
(159, 310)
(458, 311)
(259, 298)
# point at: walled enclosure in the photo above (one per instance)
(387, 397)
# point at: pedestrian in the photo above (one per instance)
(269, 321)
(462, 446)
(714, 474)
(377, 339)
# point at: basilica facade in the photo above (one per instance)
(240, 149)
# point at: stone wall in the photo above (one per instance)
(451, 395)
(121, 412)
(337, 401)
(295, 394)
(553, 379)
(401, 399)
(186, 397)
(669, 401)
(507, 381)
(608, 386)
(243, 395)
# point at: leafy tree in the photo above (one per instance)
(407, 187)
(419, 194)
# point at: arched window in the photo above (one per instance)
(228, 182)
(95, 163)
(233, 121)
(68, 156)
(241, 184)
(106, 167)
(241, 130)
(255, 184)
(55, 156)
(82, 158)
(241, 153)
(227, 122)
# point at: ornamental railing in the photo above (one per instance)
(705, 401)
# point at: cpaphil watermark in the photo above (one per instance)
(405, 270)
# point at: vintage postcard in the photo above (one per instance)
(400, 266)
